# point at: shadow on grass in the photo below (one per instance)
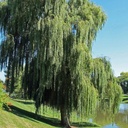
(84, 124)
(32, 116)
(51, 121)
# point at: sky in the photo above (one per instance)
(2, 77)
(112, 40)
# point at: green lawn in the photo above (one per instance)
(22, 116)
(10, 120)
(125, 98)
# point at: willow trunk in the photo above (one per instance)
(64, 117)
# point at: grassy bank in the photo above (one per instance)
(22, 116)
(11, 120)
(125, 98)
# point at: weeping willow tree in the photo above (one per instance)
(103, 79)
(51, 42)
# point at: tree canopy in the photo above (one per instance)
(123, 77)
(123, 81)
(103, 79)
(51, 41)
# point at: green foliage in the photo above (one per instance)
(3, 96)
(123, 77)
(123, 81)
(103, 79)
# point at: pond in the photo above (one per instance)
(119, 120)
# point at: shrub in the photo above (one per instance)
(3, 96)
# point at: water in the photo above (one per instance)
(120, 120)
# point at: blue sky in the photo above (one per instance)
(2, 77)
(112, 40)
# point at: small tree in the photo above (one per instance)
(3, 95)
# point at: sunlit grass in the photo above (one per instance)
(10, 120)
(22, 116)
(15, 119)
(125, 98)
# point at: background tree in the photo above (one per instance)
(123, 81)
(50, 41)
(103, 79)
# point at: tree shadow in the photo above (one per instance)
(84, 124)
(32, 116)
(48, 120)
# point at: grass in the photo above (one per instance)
(125, 98)
(22, 116)
(10, 120)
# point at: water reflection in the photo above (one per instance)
(111, 126)
(119, 120)
(123, 108)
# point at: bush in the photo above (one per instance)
(3, 96)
